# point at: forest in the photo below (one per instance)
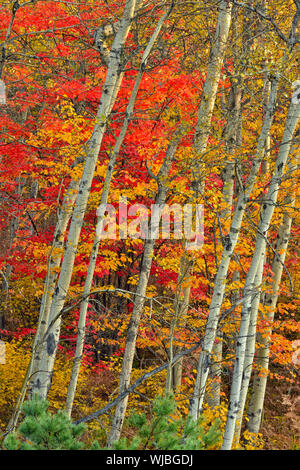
(149, 225)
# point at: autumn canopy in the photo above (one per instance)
(149, 215)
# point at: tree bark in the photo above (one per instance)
(180, 307)
(132, 332)
(104, 198)
(250, 347)
(229, 246)
(207, 104)
(263, 340)
(42, 380)
(259, 252)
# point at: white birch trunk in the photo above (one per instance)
(250, 347)
(266, 216)
(211, 84)
(132, 332)
(54, 261)
(97, 239)
(251, 337)
(208, 99)
(220, 279)
(213, 397)
(43, 378)
(180, 307)
(263, 341)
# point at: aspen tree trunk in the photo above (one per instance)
(220, 279)
(232, 132)
(54, 262)
(250, 347)
(55, 257)
(132, 332)
(251, 337)
(180, 307)
(263, 341)
(259, 252)
(265, 165)
(97, 239)
(208, 99)
(232, 141)
(53, 267)
(211, 84)
(213, 395)
(42, 381)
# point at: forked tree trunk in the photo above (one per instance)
(259, 253)
(104, 198)
(42, 380)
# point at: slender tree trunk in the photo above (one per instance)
(54, 261)
(42, 380)
(266, 216)
(132, 332)
(250, 347)
(251, 337)
(207, 104)
(210, 87)
(220, 279)
(263, 340)
(180, 307)
(213, 392)
(97, 239)
(232, 141)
